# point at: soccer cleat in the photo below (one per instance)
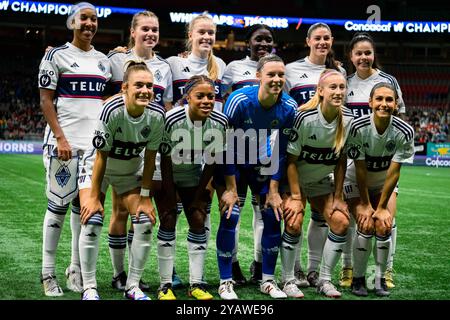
(90, 294)
(237, 275)
(313, 279)
(270, 287)
(256, 272)
(292, 291)
(74, 280)
(389, 276)
(300, 279)
(199, 292)
(144, 286)
(165, 292)
(118, 282)
(134, 293)
(51, 286)
(176, 280)
(226, 291)
(326, 288)
(359, 287)
(346, 277)
(383, 290)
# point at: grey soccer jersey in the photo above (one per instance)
(78, 78)
(358, 92)
(378, 150)
(184, 68)
(187, 142)
(302, 77)
(162, 76)
(239, 74)
(126, 137)
(314, 144)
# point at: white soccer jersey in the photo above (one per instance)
(126, 137)
(162, 76)
(184, 68)
(79, 79)
(358, 92)
(378, 150)
(302, 77)
(314, 144)
(187, 143)
(239, 74)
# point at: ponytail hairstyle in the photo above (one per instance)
(191, 84)
(134, 22)
(359, 37)
(317, 99)
(267, 58)
(389, 86)
(213, 67)
(133, 66)
(330, 62)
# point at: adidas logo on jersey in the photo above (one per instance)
(304, 76)
(313, 137)
(74, 65)
(186, 69)
(246, 73)
(350, 94)
(248, 121)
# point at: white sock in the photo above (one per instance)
(130, 236)
(298, 254)
(331, 254)
(52, 227)
(317, 235)
(362, 247)
(75, 228)
(287, 252)
(117, 248)
(208, 222)
(390, 264)
(89, 243)
(381, 254)
(347, 250)
(258, 227)
(166, 254)
(140, 249)
(197, 246)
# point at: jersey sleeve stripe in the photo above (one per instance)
(113, 101)
(406, 129)
(157, 108)
(234, 103)
(174, 119)
(219, 118)
(359, 123)
(301, 116)
(292, 103)
(49, 55)
(391, 79)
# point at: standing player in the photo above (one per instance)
(302, 77)
(185, 171)
(378, 143)
(360, 84)
(72, 80)
(321, 127)
(144, 36)
(240, 74)
(262, 118)
(128, 125)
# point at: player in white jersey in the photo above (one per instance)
(302, 77)
(360, 83)
(200, 61)
(144, 36)
(379, 144)
(189, 132)
(72, 80)
(321, 129)
(240, 74)
(128, 124)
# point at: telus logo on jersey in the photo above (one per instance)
(302, 94)
(126, 150)
(76, 86)
(376, 164)
(314, 155)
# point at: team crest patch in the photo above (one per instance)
(390, 146)
(353, 152)
(98, 142)
(62, 176)
(274, 123)
(164, 148)
(101, 67)
(293, 136)
(145, 132)
(158, 75)
(44, 80)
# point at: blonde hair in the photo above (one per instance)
(212, 67)
(317, 99)
(134, 22)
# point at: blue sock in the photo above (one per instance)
(225, 242)
(270, 242)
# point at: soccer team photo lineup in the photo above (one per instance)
(213, 156)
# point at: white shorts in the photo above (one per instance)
(121, 184)
(351, 190)
(61, 176)
(319, 188)
(187, 178)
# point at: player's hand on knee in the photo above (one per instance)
(384, 218)
(292, 207)
(274, 201)
(228, 200)
(145, 206)
(341, 206)
(91, 207)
